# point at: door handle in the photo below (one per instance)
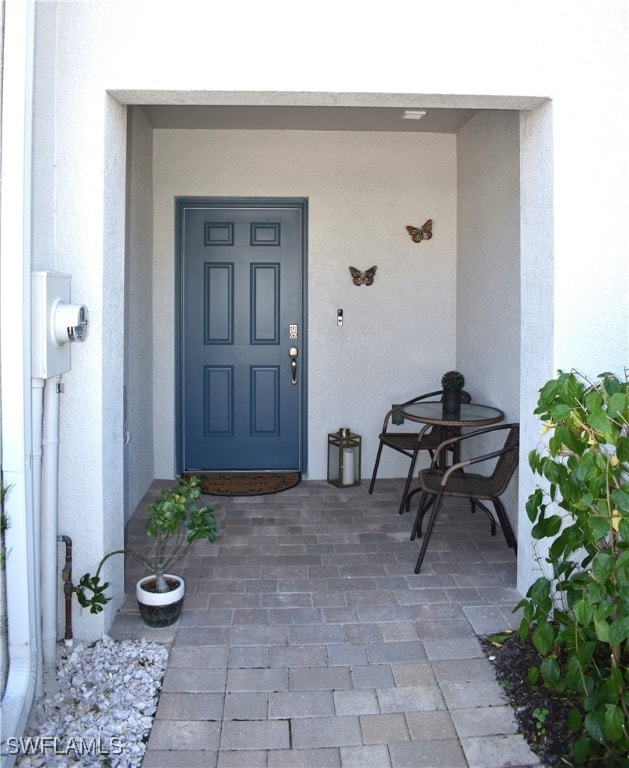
(292, 353)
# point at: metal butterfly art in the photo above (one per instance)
(420, 233)
(363, 278)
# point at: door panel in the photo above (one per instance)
(242, 288)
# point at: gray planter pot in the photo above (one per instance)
(452, 402)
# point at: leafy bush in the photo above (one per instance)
(578, 619)
(175, 521)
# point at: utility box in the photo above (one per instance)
(54, 323)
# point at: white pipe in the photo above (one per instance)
(37, 412)
(50, 483)
(15, 268)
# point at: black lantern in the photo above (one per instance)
(343, 458)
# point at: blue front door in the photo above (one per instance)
(241, 346)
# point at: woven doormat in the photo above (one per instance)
(247, 483)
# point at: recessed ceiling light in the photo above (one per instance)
(413, 114)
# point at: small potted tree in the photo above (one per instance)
(175, 521)
(452, 383)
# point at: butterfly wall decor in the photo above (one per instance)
(363, 278)
(420, 233)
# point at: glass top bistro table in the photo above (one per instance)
(433, 414)
(469, 415)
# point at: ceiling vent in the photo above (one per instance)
(413, 114)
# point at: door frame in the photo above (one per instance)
(239, 202)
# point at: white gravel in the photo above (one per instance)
(101, 709)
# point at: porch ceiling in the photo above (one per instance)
(305, 118)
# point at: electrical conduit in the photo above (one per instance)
(50, 487)
(37, 415)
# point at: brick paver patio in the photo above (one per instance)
(307, 640)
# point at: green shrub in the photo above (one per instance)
(578, 618)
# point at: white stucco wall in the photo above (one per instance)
(488, 262)
(139, 377)
(71, 191)
(537, 340)
(488, 270)
(362, 188)
(499, 56)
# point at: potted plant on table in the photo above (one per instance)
(175, 521)
(452, 383)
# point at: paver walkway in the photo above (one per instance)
(307, 640)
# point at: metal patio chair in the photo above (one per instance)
(455, 482)
(410, 443)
